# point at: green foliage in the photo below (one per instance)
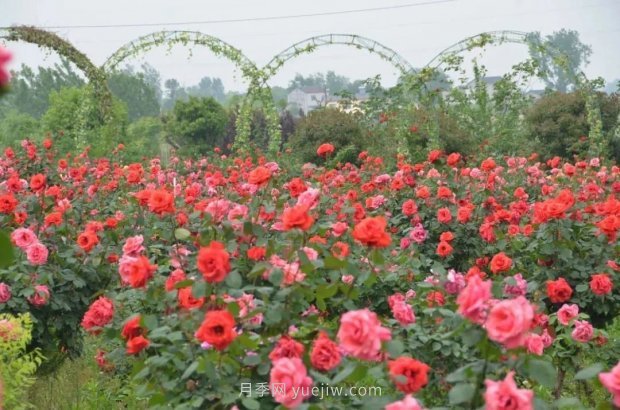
(143, 138)
(198, 123)
(16, 126)
(560, 121)
(561, 56)
(133, 89)
(325, 126)
(17, 366)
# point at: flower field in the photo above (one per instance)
(450, 283)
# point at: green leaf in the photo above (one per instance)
(6, 250)
(250, 403)
(181, 234)
(461, 393)
(190, 369)
(331, 262)
(582, 287)
(344, 373)
(395, 347)
(542, 372)
(589, 372)
(252, 360)
(234, 279)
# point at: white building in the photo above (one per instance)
(306, 99)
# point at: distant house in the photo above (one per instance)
(489, 82)
(306, 99)
(349, 105)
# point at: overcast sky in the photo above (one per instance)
(416, 33)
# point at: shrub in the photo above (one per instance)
(325, 126)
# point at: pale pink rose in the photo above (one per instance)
(309, 198)
(611, 381)
(23, 238)
(473, 299)
(292, 274)
(8, 332)
(547, 338)
(133, 245)
(361, 334)
(408, 403)
(273, 167)
(418, 234)
(395, 298)
(310, 253)
(410, 294)
(403, 312)
(348, 279)
(534, 344)
(5, 292)
(37, 254)
(509, 321)
(382, 179)
(339, 228)
(289, 382)
(218, 209)
(40, 297)
(125, 266)
(504, 395)
(377, 201)
(583, 331)
(567, 313)
(455, 283)
(405, 243)
(595, 162)
(238, 213)
(518, 289)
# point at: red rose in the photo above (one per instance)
(217, 329)
(415, 373)
(559, 290)
(161, 202)
(87, 240)
(325, 149)
(187, 299)
(325, 354)
(256, 253)
(297, 217)
(214, 262)
(259, 176)
(132, 328)
(286, 347)
(371, 232)
(444, 249)
(443, 215)
(136, 344)
(601, 284)
(99, 314)
(500, 263)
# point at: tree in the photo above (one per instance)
(134, 90)
(16, 126)
(559, 120)
(30, 90)
(174, 92)
(199, 122)
(561, 56)
(209, 87)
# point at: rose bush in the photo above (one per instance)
(452, 282)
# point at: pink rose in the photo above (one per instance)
(23, 238)
(289, 382)
(133, 245)
(418, 234)
(509, 321)
(360, 334)
(41, 295)
(455, 283)
(534, 344)
(547, 338)
(37, 254)
(5, 75)
(5, 292)
(348, 279)
(583, 331)
(518, 289)
(339, 228)
(403, 312)
(611, 381)
(567, 313)
(309, 198)
(504, 395)
(473, 299)
(408, 403)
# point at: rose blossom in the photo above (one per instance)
(503, 395)
(41, 295)
(408, 403)
(418, 234)
(473, 299)
(534, 343)
(133, 245)
(403, 312)
(567, 313)
(37, 254)
(5, 292)
(23, 238)
(455, 283)
(291, 376)
(509, 320)
(583, 331)
(360, 334)
(611, 381)
(518, 289)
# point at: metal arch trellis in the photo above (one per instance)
(259, 90)
(219, 48)
(45, 39)
(447, 56)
